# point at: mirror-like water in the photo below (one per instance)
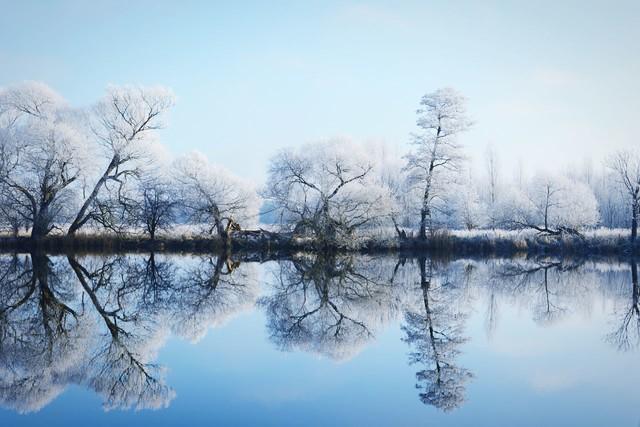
(338, 340)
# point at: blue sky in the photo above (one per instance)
(548, 82)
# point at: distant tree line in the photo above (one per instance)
(64, 169)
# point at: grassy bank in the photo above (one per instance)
(499, 243)
(527, 243)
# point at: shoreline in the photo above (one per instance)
(275, 244)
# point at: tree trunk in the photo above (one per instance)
(423, 224)
(81, 219)
(402, 235)
(219, 226)
(425, 212)
(40, 224)
(634, 222)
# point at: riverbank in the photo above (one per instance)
(500, 243)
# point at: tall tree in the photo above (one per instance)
(41, 157)
(493, 174)
(441, 118)
(122, 124)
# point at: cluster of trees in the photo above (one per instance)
(63, 168)
(335, 190)
(331, 189)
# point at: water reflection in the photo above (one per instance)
(434, 329)
(331, 305)
(627, 335)
(99, 321)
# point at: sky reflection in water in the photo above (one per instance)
(168, 340)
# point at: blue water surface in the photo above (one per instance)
(554, 346)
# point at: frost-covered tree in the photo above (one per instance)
(469, 212)
(388, 175)
(554, 204)
(612, 202)
(626, 165)
(212, 196)
(123, 124)
(153, 205)
(42, 157)
(326, 191)
(493, 185)
(437, 153)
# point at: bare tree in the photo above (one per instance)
(467, 206)
(153, 206)
(493, 172)
(611, 201)
(626, 164)
(41, 157)
(441, 118)
(555, 205)
(212, 196)
(323, 191)
(122, 124)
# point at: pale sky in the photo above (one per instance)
(548, 82)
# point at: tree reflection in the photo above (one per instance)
(41, 338)
(209, 291)
(627, 334)
(544, 283)
(328, 304)
(434, 331)
(120, 368)
(99, 322)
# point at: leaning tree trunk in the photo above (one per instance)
(81, 218)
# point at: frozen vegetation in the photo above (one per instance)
(101, 172)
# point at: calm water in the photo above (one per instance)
(190, 340)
